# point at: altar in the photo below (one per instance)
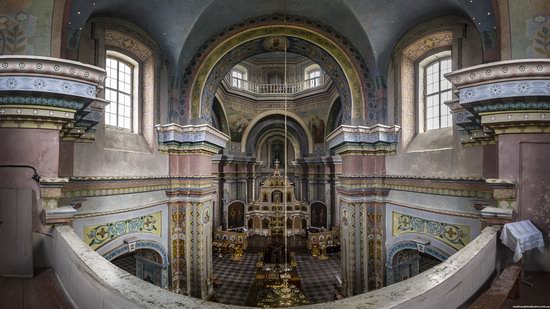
(263, 214)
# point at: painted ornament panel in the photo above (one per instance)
(455, 235)
(97, 236)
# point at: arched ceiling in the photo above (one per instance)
(180, 27)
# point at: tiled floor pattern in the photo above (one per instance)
(236, 278)
(318, 277)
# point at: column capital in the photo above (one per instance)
(503, 97)
(51, 93)
(375, 140)
(190, 139)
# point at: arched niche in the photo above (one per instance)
(235, 214)
(264, 151)
(142, 245)
(322, 44)
(334, 117)
(318, 214)
(274, 120)
(219, 120)
(393, 265)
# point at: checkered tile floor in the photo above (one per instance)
(318, 277)
(236, 278)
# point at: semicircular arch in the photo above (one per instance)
(197, 90)
(254, 122)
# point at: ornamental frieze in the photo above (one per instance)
(455, 235)
(97, 236)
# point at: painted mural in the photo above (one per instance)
(317, 127)
(96, 236)
(455, 235)
(25, 27)
(238, 125)
(530, 27)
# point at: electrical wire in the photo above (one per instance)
(286, 137)
(35, 175)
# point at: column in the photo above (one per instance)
(507, 104)
(43, 102)
(360, 204)
(191, 196)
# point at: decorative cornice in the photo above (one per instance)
(378, 139)
(500, 71)
(104, 186)
(232, 159)
(329, 160)
(51, 93)
(374, 185)
(49, 67)
(503, 98)
(190, 139)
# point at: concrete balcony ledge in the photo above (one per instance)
(90, 281)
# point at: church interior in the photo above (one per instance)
(241, 153)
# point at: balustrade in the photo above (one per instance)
(261, 89)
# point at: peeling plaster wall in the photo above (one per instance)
(117, 153)
(436, 153)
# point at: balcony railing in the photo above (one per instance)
(255, 88)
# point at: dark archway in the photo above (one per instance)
(145, 264)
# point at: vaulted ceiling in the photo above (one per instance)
(372, 26)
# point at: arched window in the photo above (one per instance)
(238, 76)
(436, 90)
(121, 91)
(312, 76)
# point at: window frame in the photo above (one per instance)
(422, 64)
(135, 87)
(313, 68)
(240, 81)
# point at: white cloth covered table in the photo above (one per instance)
(520, 237)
